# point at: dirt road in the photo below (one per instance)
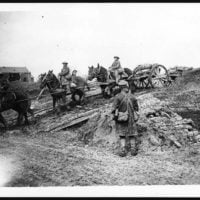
(41, 158)
(60, 159)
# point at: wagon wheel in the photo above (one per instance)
(158, 77)
(136, 83)
(144, 82)
(141, 82)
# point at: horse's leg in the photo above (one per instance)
(3, 121)
(19, 118)
(26, 118)
(54, 102)
(82, 98)
(73, 96)
(63, 98)
(32, 114)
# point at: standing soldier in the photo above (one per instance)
(125, 109)
(116, 69)
(65, 77)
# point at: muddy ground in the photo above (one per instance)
(62, 158)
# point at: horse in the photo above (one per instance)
(50, 81)
(102, 75)
(16, 99)
(77, 88)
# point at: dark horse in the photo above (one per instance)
(16, 99)
(50, 81)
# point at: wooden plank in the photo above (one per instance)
(74, 122)
(74, 117)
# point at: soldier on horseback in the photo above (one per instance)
(65, 77)
(117, 69)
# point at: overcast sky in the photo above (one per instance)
(41, 36)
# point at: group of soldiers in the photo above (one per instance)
(124, 110)
(115, 68)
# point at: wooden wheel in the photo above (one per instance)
(137, 83)
(144, 82)
(141, 82)
(158, 76)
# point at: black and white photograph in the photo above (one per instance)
(100, 96)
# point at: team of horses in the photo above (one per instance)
(19, 101)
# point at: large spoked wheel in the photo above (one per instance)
(141, 83)
(158, 77)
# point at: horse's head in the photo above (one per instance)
(43, 80)
(91, 73)
(46, 78)
(49, 80)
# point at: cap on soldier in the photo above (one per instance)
(123, 83)
(116, 57)
(64, 62)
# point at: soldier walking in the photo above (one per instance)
(124, 109)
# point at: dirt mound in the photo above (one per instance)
(160, 128)
(184, 94)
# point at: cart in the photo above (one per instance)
(150, 76)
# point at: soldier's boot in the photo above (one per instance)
(123, 151)
(134, 146)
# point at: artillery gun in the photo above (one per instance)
(150, 76)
